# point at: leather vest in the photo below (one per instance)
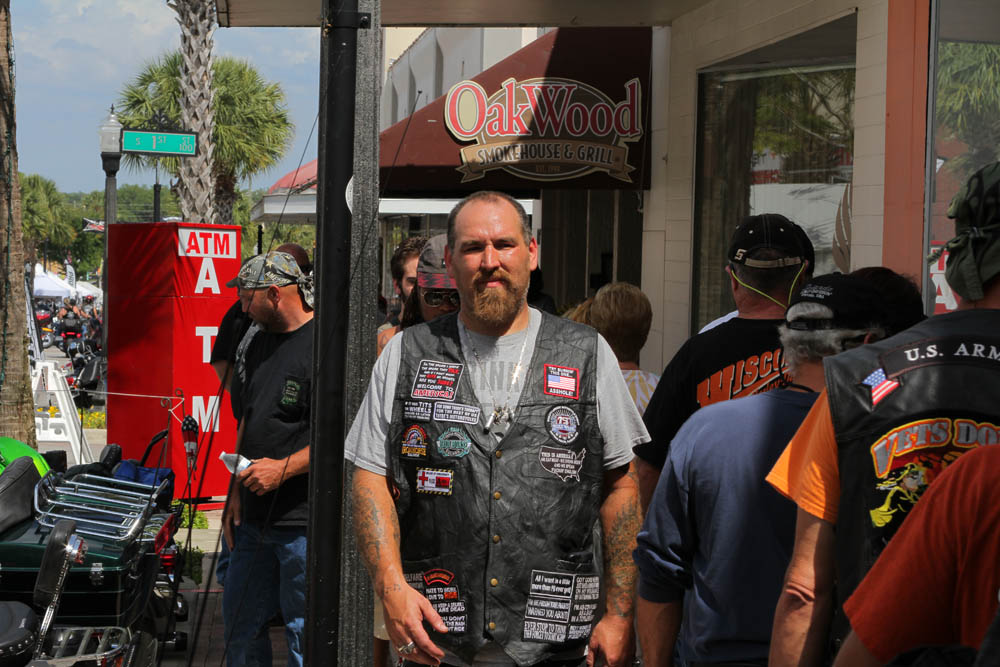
(499, 537)
(937, 396)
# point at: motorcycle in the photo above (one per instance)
(28, 635)
(127, 579)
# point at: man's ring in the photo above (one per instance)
(406, 649)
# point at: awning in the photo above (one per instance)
(568, 111)
(259, 13)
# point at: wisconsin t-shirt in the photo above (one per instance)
(738, 358)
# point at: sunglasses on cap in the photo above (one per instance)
(435, 298)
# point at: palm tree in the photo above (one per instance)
(252, 126)
(44, 217)
(17, 411)
(195, 183)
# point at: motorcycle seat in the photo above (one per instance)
(18, 632)
(17, 492)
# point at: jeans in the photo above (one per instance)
(267, 571)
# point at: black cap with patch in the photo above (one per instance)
(774, 232)
(855, 303)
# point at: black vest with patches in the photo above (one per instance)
(499, 537)
(893, 441)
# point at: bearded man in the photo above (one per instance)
(485, 454)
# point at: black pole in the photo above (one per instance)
(156, 193)
(338, 63)
(260, 238)
(110, 162)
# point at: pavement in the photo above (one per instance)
(204, 619)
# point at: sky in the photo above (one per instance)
(73, 57)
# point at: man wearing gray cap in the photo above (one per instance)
(894, 415)
(267, 511)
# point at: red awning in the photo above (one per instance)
(568, 111)
(297, 180)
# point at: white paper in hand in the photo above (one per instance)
(236, 463)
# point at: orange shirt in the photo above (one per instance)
(937, 580)
(807, 471)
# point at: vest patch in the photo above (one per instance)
(561, 462)
(454, 443)
(972, 350)
(560, 606)
(563, 423)
(414, 442)
(437, 380)
(433, 480)
(562, 381)
(910, 457)
(417, 411)
(446, 600)
(456, 412)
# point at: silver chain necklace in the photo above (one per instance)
(501, 414)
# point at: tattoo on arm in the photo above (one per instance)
(377, 529)
(620, 523)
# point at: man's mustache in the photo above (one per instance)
(497, 275)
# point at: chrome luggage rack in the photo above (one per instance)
(112, 509)
(69, 646)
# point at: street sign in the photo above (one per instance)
(148, 142)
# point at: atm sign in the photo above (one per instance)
(198, 242)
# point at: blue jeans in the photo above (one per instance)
(267, 571)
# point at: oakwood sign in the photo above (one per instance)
(544, 129)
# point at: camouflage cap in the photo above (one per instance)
(974, 253)
(278, 269)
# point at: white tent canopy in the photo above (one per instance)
(84, 288)
(47, 285)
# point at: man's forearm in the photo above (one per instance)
(647, 476)
(377, 529)
(298, 463)
(659, 624)
(805, 607)
(620, 523)
(801, 626)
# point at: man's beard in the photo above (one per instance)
(497, 307)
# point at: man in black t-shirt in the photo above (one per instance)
(267, 511)
(769, 258)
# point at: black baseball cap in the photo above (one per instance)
(854, 301)
(771, 231)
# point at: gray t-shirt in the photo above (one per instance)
(491, 375)
(617, 416)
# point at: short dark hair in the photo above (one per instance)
(903, 306)
(489, 195)
(411, 309)
(409, 248)
(623, 315)
(776, 282)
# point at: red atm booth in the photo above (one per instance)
(166, 296)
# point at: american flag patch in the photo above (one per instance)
(562, 381)
(881, 385)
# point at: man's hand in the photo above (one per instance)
(611, 640)
(405, 611)
(231, 516)
(264, 475)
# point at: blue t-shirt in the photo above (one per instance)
(717, 531)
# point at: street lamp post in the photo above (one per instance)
(110, 132)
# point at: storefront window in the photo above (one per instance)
(964, 123)
(772, 140)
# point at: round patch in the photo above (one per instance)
(454, 443)
(414, 442)
(564, 425)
